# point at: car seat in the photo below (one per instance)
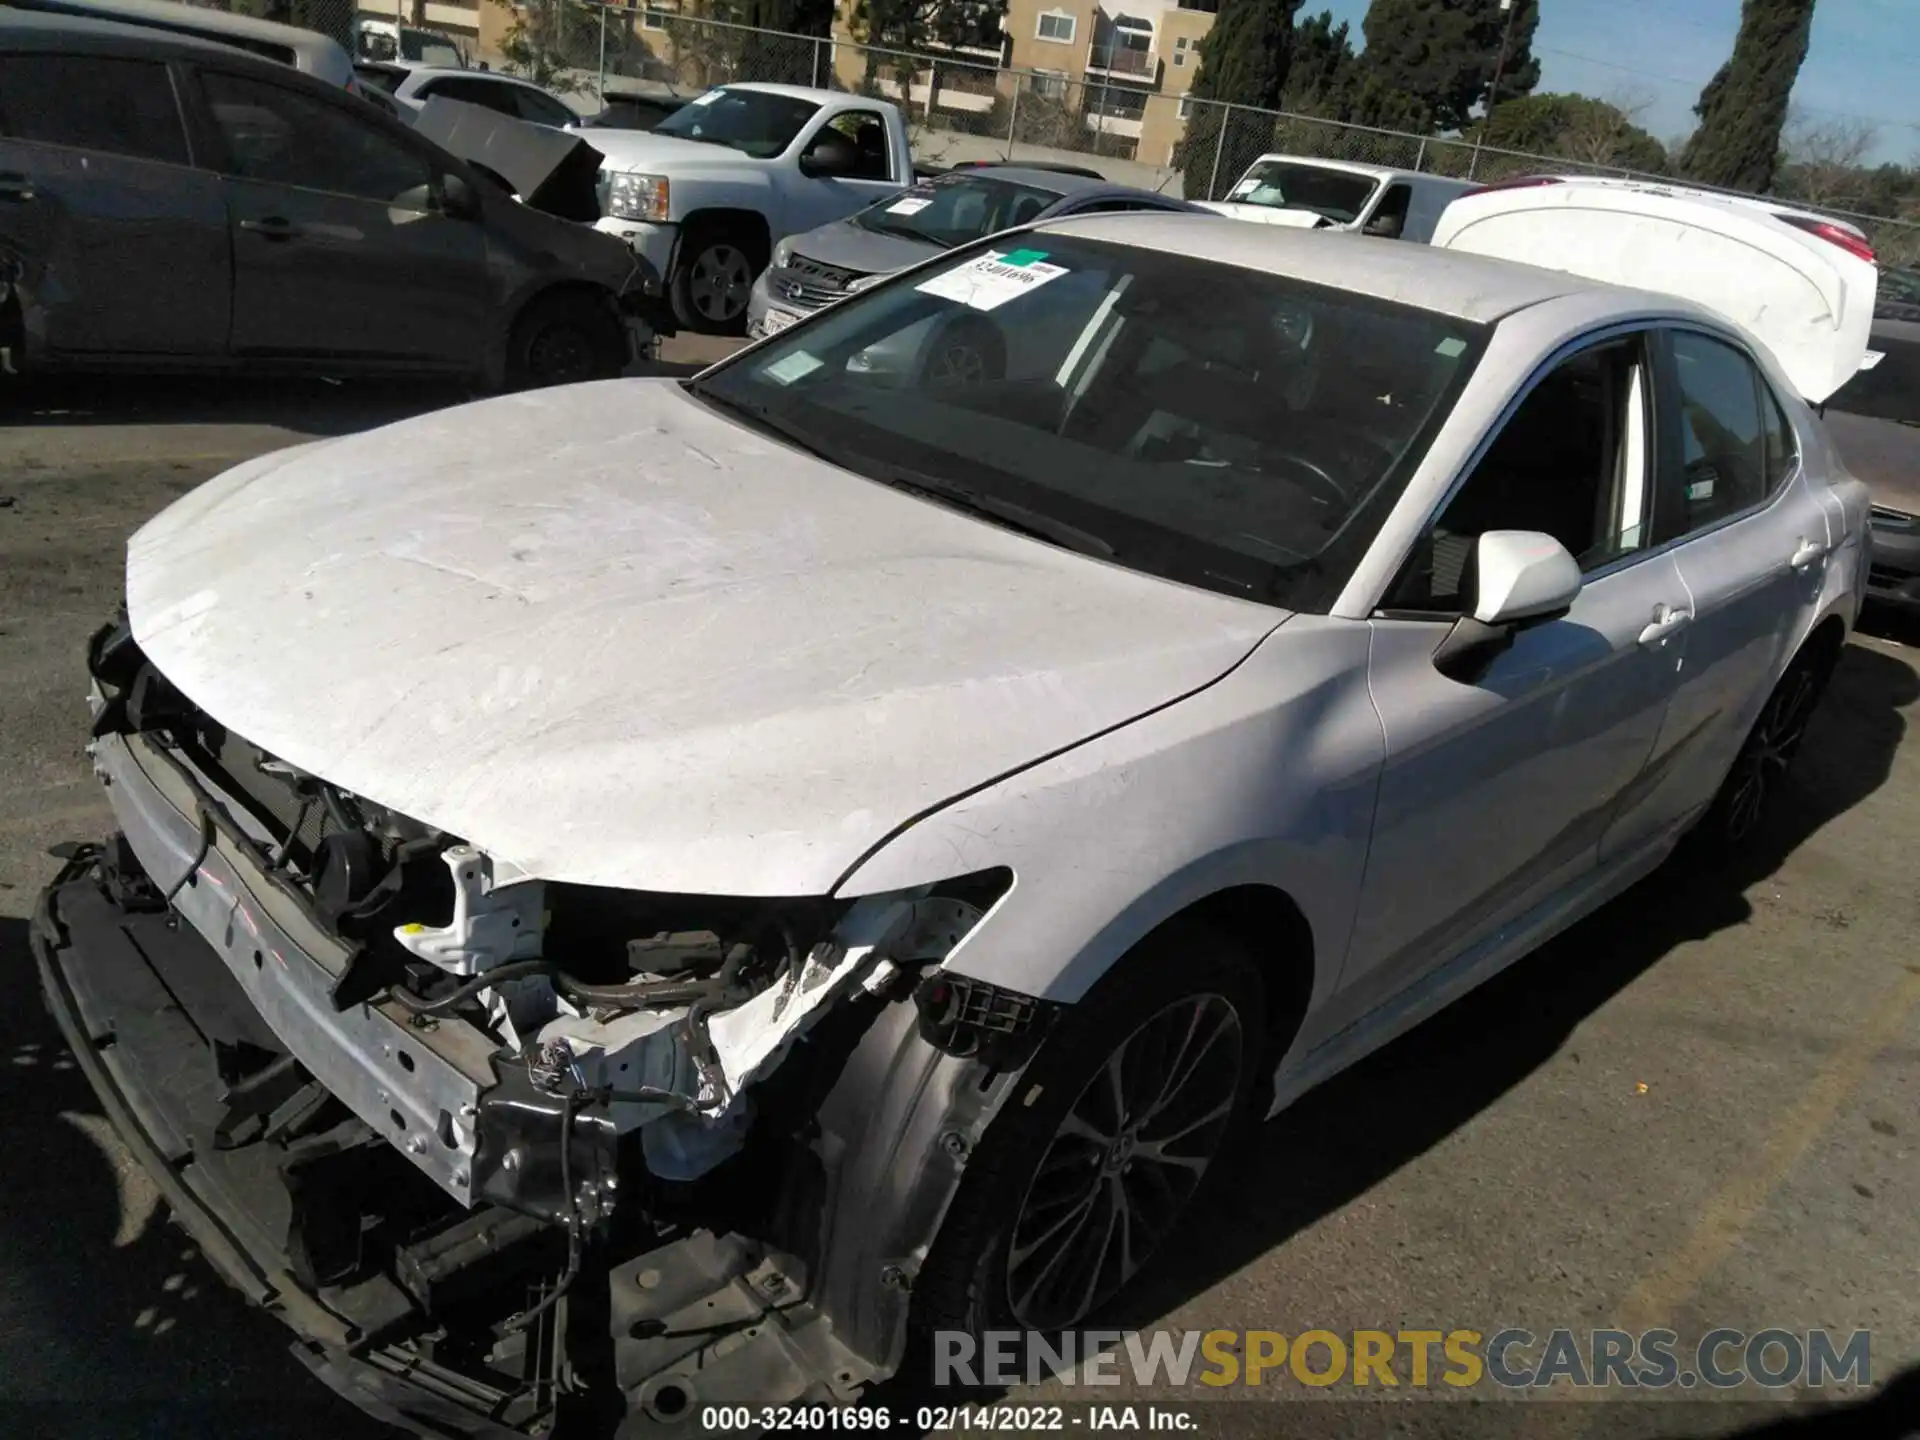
(870, 140)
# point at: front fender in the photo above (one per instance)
(718, 188)
(1268, 777)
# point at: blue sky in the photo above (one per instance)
(1864, 62)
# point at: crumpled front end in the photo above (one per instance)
(478, 1136)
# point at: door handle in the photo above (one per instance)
(273, 227)
(1807, 552)
(1666, 620)
(15, 187)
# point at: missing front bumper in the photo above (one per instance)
(108, 977)
(669, 1323)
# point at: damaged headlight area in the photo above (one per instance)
(581, 1073)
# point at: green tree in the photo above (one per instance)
(1323, 78)
(1437, 58)
(1244, 60)
(1743, 110)
(550, 43)
(1573, 127)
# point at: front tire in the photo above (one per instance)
(1094, 1164)
(562, 339)
(713, 281)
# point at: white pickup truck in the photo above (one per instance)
(706, 194)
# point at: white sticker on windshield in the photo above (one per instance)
(1450, 348)
(706, 99)
(909, 206)
(1245, 187)
(790, 368)
(995, 278)
(1872, 358)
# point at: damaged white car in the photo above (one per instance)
(682, 882)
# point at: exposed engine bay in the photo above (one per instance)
(476, 1085)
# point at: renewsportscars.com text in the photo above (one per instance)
(1512, 1359)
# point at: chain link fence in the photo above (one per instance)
(967, 106)
(961, 105)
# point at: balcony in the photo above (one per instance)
(1123, 62)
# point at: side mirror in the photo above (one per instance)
(1522, 577)
(458, 201)
(829, 154)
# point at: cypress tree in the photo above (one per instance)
(1243, 60)
(1744, 107)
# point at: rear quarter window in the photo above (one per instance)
(91, 102)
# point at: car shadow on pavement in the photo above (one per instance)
(1464, 1058)
(110, 1324)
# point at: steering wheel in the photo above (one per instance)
(1318, 477)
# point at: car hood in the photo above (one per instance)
(1270, 215)
(645, 150)
(611, 637)
(847, 246)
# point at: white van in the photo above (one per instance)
(318, 55)
(381, 40)
(1297, 190)
(1800, 283)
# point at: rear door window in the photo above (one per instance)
(1724, 434)
(283, 137)
(108, 105)
(498, 98)
(539, 108)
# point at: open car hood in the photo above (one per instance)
(612, 637)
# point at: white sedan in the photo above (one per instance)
(411, 86)
(1262, 639)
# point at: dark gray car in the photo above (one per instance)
(1875, 420)
(821, 265)
(170, 204)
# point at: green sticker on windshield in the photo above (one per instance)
(1023, 257)
(1451, 348)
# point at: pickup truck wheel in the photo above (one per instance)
(563, 339)
(712, 282)
(1091, 1169)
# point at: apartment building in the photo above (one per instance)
(1126, 65)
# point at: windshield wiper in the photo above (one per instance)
(1004, 513)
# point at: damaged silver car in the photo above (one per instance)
(638, 895)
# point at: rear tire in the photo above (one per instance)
(713, 277)
(1111, 1134)
(1745, 798)
(563, 339)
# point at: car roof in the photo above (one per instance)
(111, 36)
(200, 23)
(1054, 180)
(766, 87)
(1351, 167)
(1467, 287)
(418, 70)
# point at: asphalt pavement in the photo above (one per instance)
(1700, 1108)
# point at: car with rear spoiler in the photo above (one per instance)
(1803, 284)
